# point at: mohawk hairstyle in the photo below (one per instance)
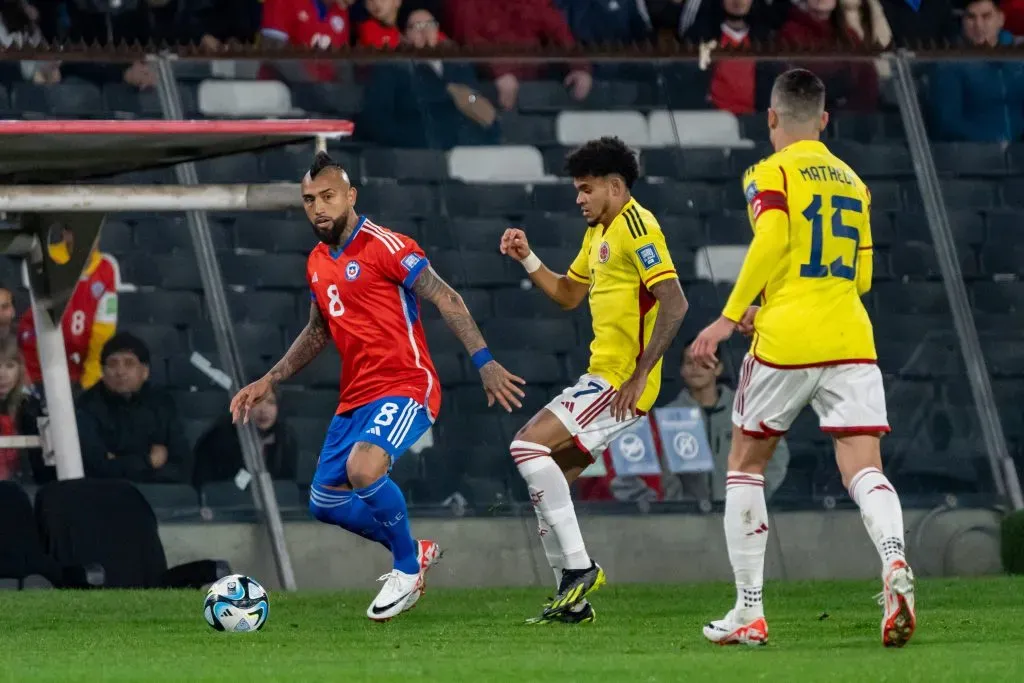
(321, 162)
(604, 157)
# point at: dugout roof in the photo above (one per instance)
(41, 152)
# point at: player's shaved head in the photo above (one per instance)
(797, 107)
(328, 197)
(603, 171)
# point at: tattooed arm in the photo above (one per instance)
(670, 316)
(307, 346)
(453, 309)
(499, 383)
(672, 308)
(310, 342)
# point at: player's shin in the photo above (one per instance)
(881, 511)
(552, 550)
(549, 493)
(746, 534)
(387, 503)
(347, 510)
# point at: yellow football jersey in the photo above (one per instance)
(620, 263)
(816, 211)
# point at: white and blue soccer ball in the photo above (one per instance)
(236, 603)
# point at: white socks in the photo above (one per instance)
(552, 550)
(881, 511)
(746, 534)
(549, 493)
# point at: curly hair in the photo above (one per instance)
(603, 157)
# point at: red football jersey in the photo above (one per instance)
(322, 24)
(372, 33)
(93, 301)
(364, 291)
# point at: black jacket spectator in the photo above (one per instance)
(218, 453)
(128, 428)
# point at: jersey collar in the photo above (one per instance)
(805, 144)
(631, 202)
(335, 253)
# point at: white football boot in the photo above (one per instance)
(734, 630)
(897, 600)
(399, 589)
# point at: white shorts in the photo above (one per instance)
(585, 410)
(848, 398)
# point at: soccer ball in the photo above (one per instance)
(236, 603)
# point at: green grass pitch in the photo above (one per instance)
(968, 630)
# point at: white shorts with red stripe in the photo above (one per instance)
(585, 410)
(848, 398)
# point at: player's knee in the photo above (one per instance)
(366, 464)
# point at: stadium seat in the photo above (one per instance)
(913, 297)
(271, 271)
(256, 339)
(695, 129)
(202, 405)
(163, 340)
(539, 335)
(276, 235)
(108, 522)
(669, 198)
(729, 227)
(226, 496)
(470, 233)
(517, 303)
(684, 232)
(1003, 260)
(498, 164)
(169, 308)
(126, 101)
(535, 368)
(574, 128)
(171, 501)
(63, 100)
(719, 263)
(236, 168)
(969, 159)
(961, 194)
(485, 200)
(342, 99)
(323, 372)
(998, 297)
(450, 368)
(1003, 357)
(420, 165)
(874, 161)
(866, 128)
(520, 129)
(398, 201)
(553, 97)
(277, 308)
(244, 99)
(116, 238)
(305, 403)
(687, 164)
(474, 268)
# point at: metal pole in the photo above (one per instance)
(224, 333)
(1003, 472)
(108, 198)
(53, 361)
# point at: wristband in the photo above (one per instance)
(481, 358)
(531, 263)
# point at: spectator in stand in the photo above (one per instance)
(821, 24)
(20, 411)
(225, 21)
(734, 83)
(128, 428)
(524, 23)
(381, 29)
(680, 16)
(117, 22)
(426, 104)
(978, 101)
(865, 20)
(933, 20)
(8, 326)
(702, 389)
(90, 317)
(1013, 11)
(597, 22)
(319, 24)
(19, 28)
(218, 453)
